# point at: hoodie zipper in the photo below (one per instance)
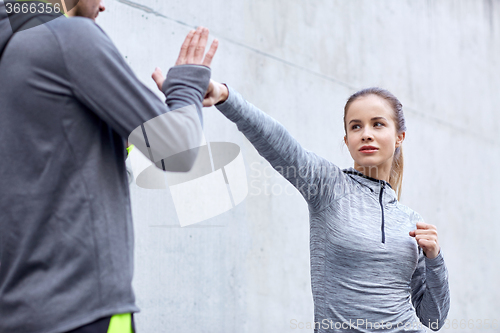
(382, 185)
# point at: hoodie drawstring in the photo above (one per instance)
(382, 185)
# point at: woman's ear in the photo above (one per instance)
(400, 138)
(345, 139)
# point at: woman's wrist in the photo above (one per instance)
(224, 93)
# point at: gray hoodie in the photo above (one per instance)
(367, 273)
(68, 102)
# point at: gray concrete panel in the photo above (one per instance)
(247, 270)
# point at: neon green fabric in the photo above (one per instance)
(129, 149)
(121, 323)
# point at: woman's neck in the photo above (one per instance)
(381, 172)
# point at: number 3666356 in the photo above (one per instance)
(32, 8)
(471, 324)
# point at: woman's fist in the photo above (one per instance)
(427, 238)
(216, 93)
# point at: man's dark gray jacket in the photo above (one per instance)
(68, 101)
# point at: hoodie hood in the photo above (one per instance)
(10, 23)
(372, 183)
(5, 27)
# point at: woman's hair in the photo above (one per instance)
(396, 176)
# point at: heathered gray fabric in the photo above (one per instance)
(68, 102)
(354, 275)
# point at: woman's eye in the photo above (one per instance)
(354, 126)
(379, 124)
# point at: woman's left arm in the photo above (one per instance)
(430, 293)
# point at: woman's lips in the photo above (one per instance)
(366, 151)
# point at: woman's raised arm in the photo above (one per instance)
(316, 178)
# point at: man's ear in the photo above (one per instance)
(400, 138)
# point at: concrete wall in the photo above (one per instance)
(247, 270)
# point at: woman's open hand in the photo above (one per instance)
(427, 238)
(192, 53)
(216, 93)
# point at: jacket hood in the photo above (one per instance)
(372, 183)
(5, 27)
(10, 23)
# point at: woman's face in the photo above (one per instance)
(369, 122)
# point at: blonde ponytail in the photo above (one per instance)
(396, 177)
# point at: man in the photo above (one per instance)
(87, 8)
(68, 102)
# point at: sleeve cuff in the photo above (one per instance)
(192, 76)
(435, 262)
(231, 105)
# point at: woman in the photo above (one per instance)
(365, 262)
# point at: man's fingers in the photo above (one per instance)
(200, 48)
(158, 77)
(184, 48)
(192, 46)
(210, 54)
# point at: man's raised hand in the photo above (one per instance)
(192, 53)
(193, 48)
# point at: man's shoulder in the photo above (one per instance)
(80, 37)
(72, 23)
(78, 29)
